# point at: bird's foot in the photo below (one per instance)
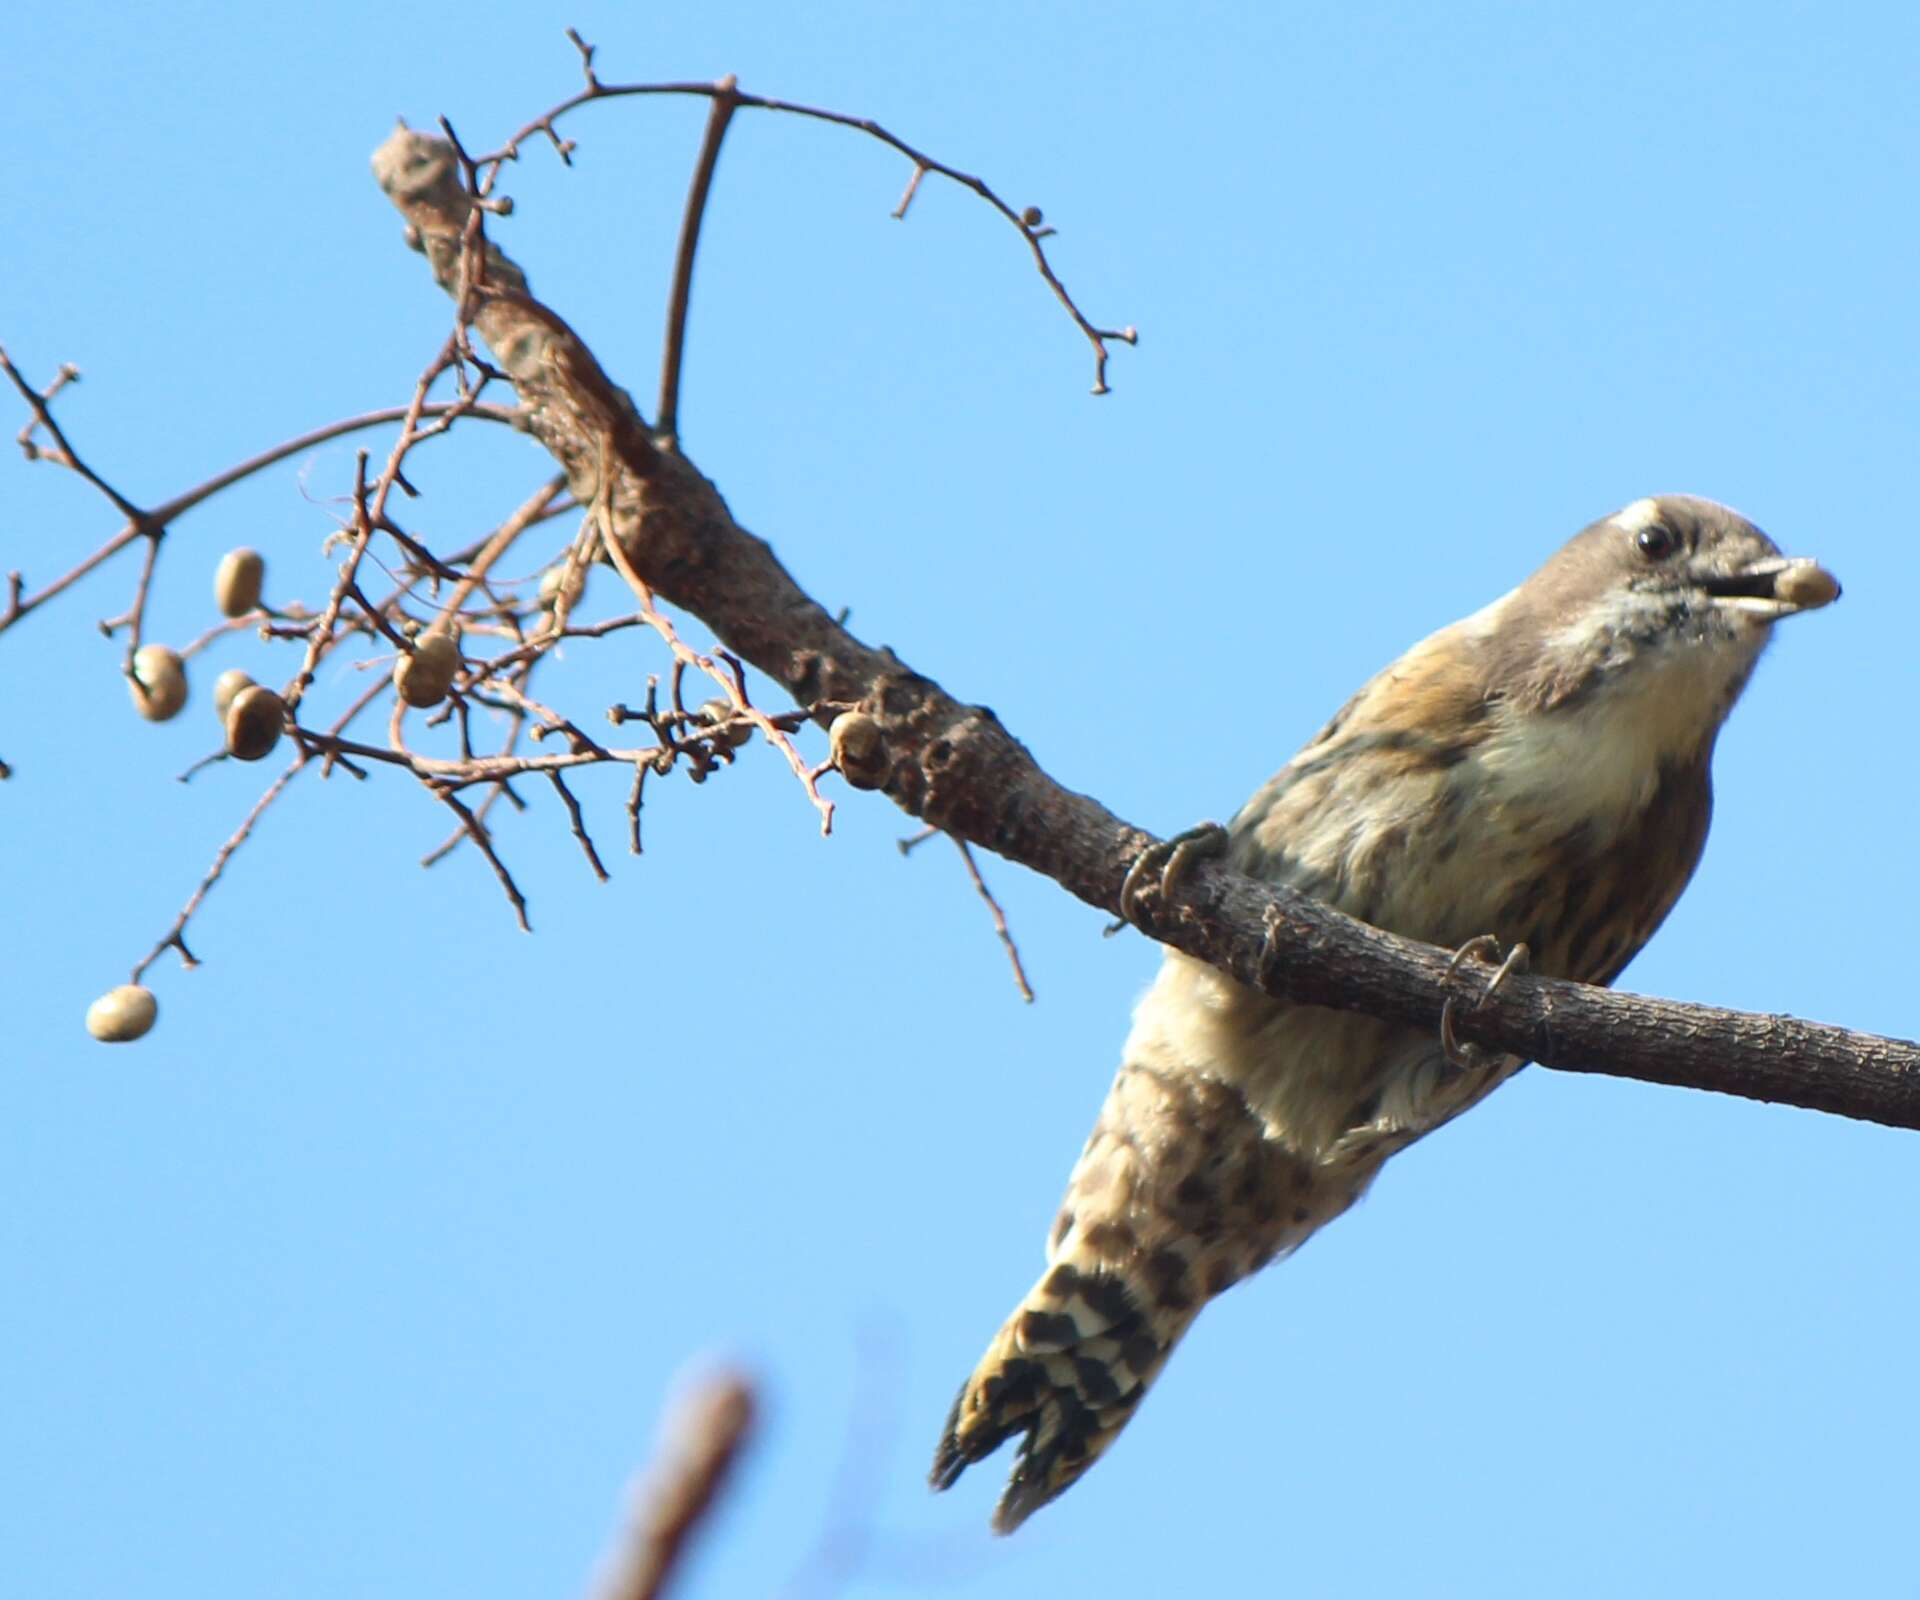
(1470, 1057)
(1162, 867)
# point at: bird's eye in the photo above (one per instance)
(1656, 543)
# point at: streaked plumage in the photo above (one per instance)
(1538, 771)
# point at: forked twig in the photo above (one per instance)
(913, 841)
(999, 921)
(175, 937)
(733, 680)
(727, 92)
(475, 602)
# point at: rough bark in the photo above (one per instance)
(954, 766)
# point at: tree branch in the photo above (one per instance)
(955, 767)
(702, 1439)
(720, 113)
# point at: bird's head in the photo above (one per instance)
(1668, 602)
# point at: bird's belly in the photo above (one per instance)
(1517, 861)
(1310, 1073)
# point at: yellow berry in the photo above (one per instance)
(560, 581)
(716, 713)
(858, 749)
(426, 673)
(236, 582)
(226, 686)
(159, 688)
(1807, 586)
(123, 1014)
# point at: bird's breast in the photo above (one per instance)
(1572, 830)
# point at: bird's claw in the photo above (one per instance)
(1161, 868)
(1483, 948)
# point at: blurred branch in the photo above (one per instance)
(703, 1437)
(955, 767)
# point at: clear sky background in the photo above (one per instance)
(369, 1273)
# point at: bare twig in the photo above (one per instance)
(134, 618)
(913, 841)
(999, 921)
(666, 419)
(62, 453)
(478, 833)
(579, 827)
(733, 680)
(439, 413)
(175, 937)
(954, 766)
(20, 604)
(636, 798)
(727, 91)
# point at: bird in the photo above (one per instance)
(1538, 775)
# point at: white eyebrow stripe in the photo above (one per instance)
(1641, 514)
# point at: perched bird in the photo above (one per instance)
(1537, 772)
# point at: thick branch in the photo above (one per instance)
(956, 767)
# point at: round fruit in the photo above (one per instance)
(236, 582)
(254, 721)
(718, 713)
(425, 674)
(159, 688)
(122, 1015)
(226, 687)
(859, 749)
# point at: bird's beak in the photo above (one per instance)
(1775, 587)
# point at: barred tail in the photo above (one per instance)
(1179, 1193)
(1067, 1370)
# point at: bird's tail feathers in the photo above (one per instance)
(1179, 1193)
(1067, 1370)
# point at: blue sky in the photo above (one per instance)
(371, 1270)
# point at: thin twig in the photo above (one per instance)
(636, 798)
(458, 837)
(170, 511)
(468, 771)
(482, 556)
(479, 836)
(579, 827)
(733, 681)
(957, 766)
(726, 89)
(913, 841)
(666, 418)
(134, 618)
(251, 620)
(62, 454)
(175, 937)
(442, 412)
(999, 921)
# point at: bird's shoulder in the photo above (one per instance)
(1436, 694)
(1387, 754)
